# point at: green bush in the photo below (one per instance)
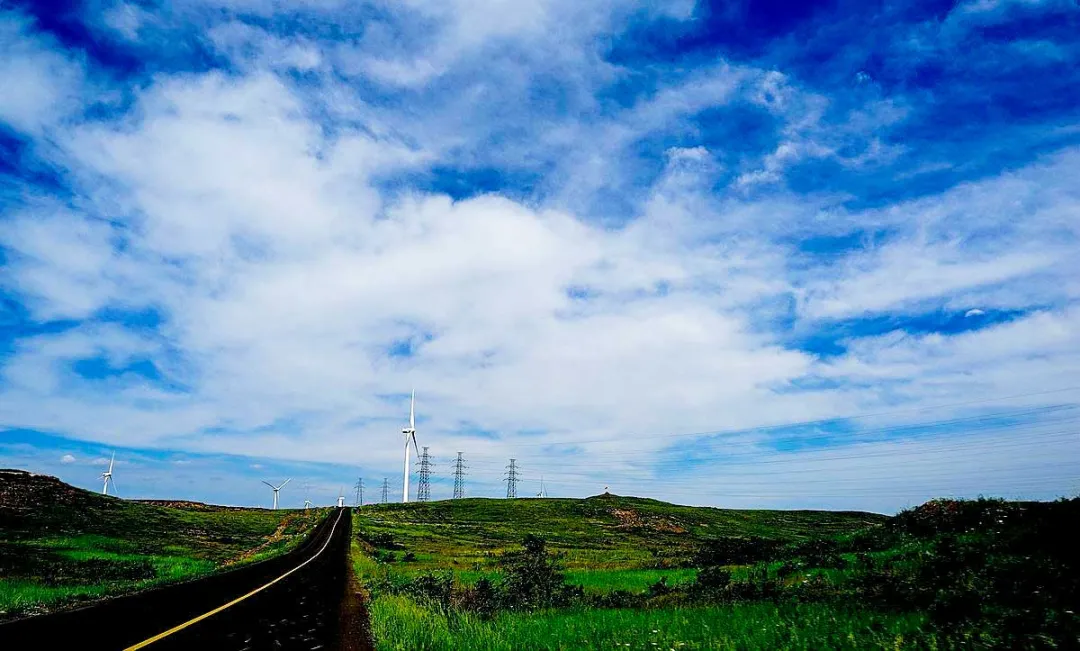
(735, 550)
(532, 578)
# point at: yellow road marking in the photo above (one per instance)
(217, 610)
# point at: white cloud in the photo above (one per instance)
(67, 458)
(38, 86)
(267, 222)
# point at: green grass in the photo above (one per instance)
(400, 623)
(599, 533)
(628, 580)
(60, 545)
(606, 544)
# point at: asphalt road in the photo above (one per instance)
(299, 606)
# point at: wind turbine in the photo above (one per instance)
(307, 504)
(107, 476)
(277, 488)
(410, 433)
(542, 493)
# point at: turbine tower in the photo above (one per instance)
(277, 488)
(410, 434)
(107, 476)
(542, 493)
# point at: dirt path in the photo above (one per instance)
(355, 622)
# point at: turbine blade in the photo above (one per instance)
(284, 482)
(414, 444)
(112, 460)
(412, 410)
(269, 484)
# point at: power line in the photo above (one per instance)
(767, 457)
(921, 463)
(385, 489)
(972, 450)
(805, 423)
(459, 477)
(423, 491)
(511, 479)
(990, 419)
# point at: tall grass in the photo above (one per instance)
(401, 623)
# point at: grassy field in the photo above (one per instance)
(61, 545)
(605, 535)
(400, 623)
(616, 572)
(607, 544)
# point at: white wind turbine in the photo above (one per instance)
(277, 488)
(307, 504)
(107, 476)
(410, 433)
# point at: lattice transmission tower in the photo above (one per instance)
(423, 491)
(385, 489)
(511, 479)
(459, 477)
(359, 491)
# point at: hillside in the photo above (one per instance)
(624, 572)
(60, 544)
(606, 531)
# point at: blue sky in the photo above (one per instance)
(745, 254)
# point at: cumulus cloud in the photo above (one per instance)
(38, 84)
(262, 260)
(67, 458)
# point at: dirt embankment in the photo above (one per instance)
(631, 519)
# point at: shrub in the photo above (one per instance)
(660, 588)
(732, 550)
(616, 599)
(481, 598)
(789, 567)
(532, 578)
(382, 540)
(434, 587)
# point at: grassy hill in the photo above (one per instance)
(632, 540)
(61, 545)
(632, 573)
